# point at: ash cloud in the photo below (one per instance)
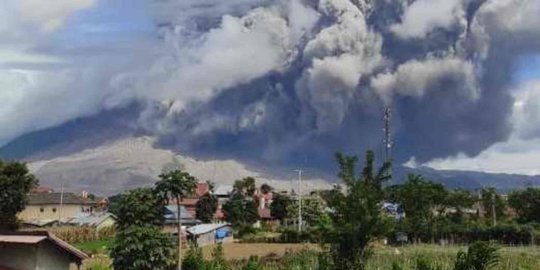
(294, 81)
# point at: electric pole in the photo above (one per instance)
(387, 141)
(493, 212)
(299, 200)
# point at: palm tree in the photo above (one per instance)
(176, 184)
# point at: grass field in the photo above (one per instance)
(512, 258)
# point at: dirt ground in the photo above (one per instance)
(240, 251)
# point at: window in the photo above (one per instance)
(41, 209)
(54, 210)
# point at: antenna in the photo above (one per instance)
(387, 141)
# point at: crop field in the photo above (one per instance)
(512, 258)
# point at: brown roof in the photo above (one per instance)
(36, 237)
(202, 188)
(54, 198)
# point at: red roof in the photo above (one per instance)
(42, 189)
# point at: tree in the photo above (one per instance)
(245, 186)
(526, 203)
(313, 210)
(139, 207)
(15, 183)
(419, 198)
(279, 206)
(492, 201)
(142, 248)
(240, 211)
(176, 184)
(265, 188)
(206, 208)
(356, 215)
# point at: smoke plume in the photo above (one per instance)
(295, 80)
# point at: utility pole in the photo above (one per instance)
(299, 200)
(493, 213)
(61, 204)
(387, 134)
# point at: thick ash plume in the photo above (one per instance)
(328, 68)
(295, 80)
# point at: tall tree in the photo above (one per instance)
(266, 188)
(492, 201)
(176, 184)
(419, 198)
(206, 208)
(240, 211)
(142, 248)
(279, 206)
(15, 183)
(526, 203)
(246, 186)
(356, 216)
(139, 243)
(139, 207)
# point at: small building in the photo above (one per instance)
(96, 220)
(171, 219)
(37, 251)
(210, 234)
(45, 207)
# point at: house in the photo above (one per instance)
(210, 234)
(96, 220)
(45, 207)
(171, 219)
(37, 250)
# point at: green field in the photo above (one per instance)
(512, 258)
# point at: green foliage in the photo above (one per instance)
(526, 203)
(176, 184)
(356, 217)
(423, 263)
(142, 248)
(489, 199)
(240, 211)
(265, 188)
(279, 206)
(480, 256)
(245, 186)
(194, 259)
(253, 263)
(16, 181)
(313, 210)
(139, 207)
(206, 208)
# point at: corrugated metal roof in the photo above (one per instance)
(205, 228)
(172, 212)
(90, 220)
(21, 239)
(223, 190)
(54, 198)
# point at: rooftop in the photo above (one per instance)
(36, 237)
(205, 228)
(56, 197)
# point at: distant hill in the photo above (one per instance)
(110, 157)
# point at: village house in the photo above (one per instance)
(99, 221)
(37, 251)
(210, 234)
(48, 207)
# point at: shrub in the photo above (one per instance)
(480, 256)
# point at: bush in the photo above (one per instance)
(480, 256)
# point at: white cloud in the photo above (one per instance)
(423, 16)
(415, 77)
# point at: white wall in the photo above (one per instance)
(50, 257)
